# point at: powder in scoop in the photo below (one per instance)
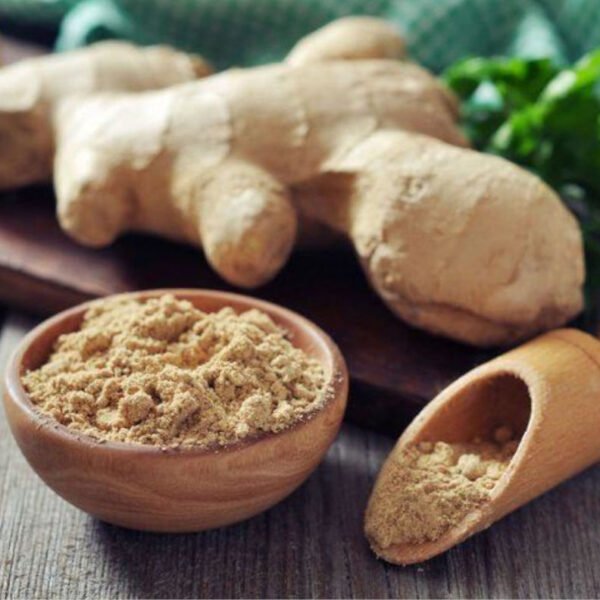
(163, 372)
(428, 488)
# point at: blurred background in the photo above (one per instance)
(243, 32)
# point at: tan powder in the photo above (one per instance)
(162, 372)
(428, 488)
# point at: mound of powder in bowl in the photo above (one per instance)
(162, 372)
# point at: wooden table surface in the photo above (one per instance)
(311, 545)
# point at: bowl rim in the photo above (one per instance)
(335, 389)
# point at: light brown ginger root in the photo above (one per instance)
(350, 38)
(30, 90)
(454, 241)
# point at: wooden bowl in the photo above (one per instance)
(175, 490)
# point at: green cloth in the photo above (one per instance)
(244, 32)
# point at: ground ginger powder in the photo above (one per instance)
(162, 372)
(428, 488)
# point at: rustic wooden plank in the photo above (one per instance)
(310, 545)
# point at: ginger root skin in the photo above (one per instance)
(455, 242)
(349, 38)
(278, 122)
(30, 91)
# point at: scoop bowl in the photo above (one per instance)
(547, 391)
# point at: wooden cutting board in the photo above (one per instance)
(395, 369)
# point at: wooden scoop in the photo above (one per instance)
(548, 391)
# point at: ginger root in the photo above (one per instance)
(215, 162)
(30, 90)
(351, 38)
(454, 241)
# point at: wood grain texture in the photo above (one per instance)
(310, 545)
